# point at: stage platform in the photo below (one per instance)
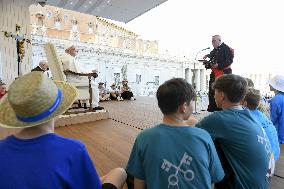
(77, 118)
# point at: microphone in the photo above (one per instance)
(205, 49)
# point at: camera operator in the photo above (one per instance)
(220, 60)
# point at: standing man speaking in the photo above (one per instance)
(221, 58)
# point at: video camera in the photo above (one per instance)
(207, 64)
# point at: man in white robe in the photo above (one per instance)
(70, 64)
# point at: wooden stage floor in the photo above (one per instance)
(110, 141)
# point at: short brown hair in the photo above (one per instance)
(234, 86)
(250, 82)
(253, 98)
(172, 93)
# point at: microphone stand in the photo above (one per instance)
(194, 83)
(194, 80)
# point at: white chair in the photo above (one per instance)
(56, 68)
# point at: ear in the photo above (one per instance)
(244, 103)
(182, 108)
(222, 94)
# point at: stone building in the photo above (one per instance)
(108, 48)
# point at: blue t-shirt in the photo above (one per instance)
(245, 146)
(175, 157)
(270, 131)
(277, 114)
(48, 161)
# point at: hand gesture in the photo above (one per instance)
(205, 56)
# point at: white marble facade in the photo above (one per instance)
(144, 72)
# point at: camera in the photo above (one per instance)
(208, 64)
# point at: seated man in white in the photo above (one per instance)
(71, 67)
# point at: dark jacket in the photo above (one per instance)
(37, 69)
(223, 56)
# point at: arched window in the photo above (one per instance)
(90, 28)
(57, 23)
(74, 25)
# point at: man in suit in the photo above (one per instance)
(222, 58)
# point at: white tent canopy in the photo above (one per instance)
(118, 10)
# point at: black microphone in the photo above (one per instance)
(205, 49)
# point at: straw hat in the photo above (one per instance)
(277, 83)
(34, 99)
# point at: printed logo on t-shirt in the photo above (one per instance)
(271, 166)
(179, 170)
(265, 141)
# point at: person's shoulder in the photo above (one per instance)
(148, 131)
(278, 97)
(65, 57)
(4, 141)
(276, 100)
(68, 142)
(152, 132)
(199, 132)
(214, 116)
(224, 45)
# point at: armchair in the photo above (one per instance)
(56, 67)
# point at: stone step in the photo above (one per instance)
(77, 118)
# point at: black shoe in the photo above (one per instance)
(85, 106)
(79, 104)
(98, 108)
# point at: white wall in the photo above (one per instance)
(13, 12)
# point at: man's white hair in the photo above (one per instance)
(217, 36)
(68, 45)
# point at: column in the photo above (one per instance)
(202, 80)
(188, 75)
(197, 79)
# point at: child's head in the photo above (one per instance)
(173, 94)
(277, 83)
(252, 99)
(124, 82)
(2, 87)
(34, 99)
(229, 88)
(250, 82)
(101, 84)
(113, 86)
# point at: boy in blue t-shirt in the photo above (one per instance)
(35, 157)
(173, 154)
(241, 143)
(277, 105)
(252, 101)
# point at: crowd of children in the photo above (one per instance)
(115, 92)
(233, 148)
